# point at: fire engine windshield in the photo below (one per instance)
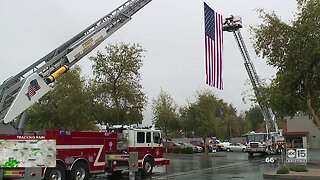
(256, 138)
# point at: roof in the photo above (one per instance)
(285, 132)
(296, 133)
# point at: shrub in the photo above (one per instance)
(179, 150)
(298, 168)
(187, 150)
(283, 170)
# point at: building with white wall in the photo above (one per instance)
(301, 132)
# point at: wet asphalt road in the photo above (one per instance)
(221, 165)
(235, 165)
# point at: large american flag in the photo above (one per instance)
(33, 88)
(213, 47)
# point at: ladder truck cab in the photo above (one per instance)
(256, 143)
(264, 143)
(56, 154)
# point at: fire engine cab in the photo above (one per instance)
(63, 154)
(147, 142)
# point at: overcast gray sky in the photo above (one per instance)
(172, 32)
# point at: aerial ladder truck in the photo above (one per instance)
(256, 142)
(52, 154)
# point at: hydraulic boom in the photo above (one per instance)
(264, 143)
(233, 24)
(21, 91)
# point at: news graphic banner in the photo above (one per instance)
(27, 152)
(298, 156)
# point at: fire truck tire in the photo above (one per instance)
(79, 171)
(56, 173)
(147, 168)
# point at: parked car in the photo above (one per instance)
(218, 145)
(194, 148)
(198, 149)
(169, 146)
(197, 143)
(221, 146)
(235, 147)
(182, 144)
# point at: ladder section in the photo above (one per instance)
(255, 81)
(69, 52)
(247, 62)
(233, 24)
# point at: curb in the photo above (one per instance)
(313, 162)
(294, 175)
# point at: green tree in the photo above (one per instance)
(226, 120)
(294, 49)
(244, 126)
(116, 85)
(200, 117)
(164, 112)
(255, 117)
(66, 107)
(209, 116)
(185, 123)
(231, 122)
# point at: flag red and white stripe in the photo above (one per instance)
(213, 47)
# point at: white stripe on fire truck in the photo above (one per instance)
(96, 162)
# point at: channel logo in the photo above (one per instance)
(296, 156)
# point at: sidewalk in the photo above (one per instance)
(312, 174)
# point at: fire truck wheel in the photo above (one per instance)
(56, 173)
(117, 173)
(79, 171)
(147, 167)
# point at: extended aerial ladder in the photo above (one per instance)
(264, 143)
(233, 24)
(21, 91)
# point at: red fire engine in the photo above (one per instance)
(85, 153)
(62, 154)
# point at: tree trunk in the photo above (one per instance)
(206, 150)
(315, 119)
(166, 132)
